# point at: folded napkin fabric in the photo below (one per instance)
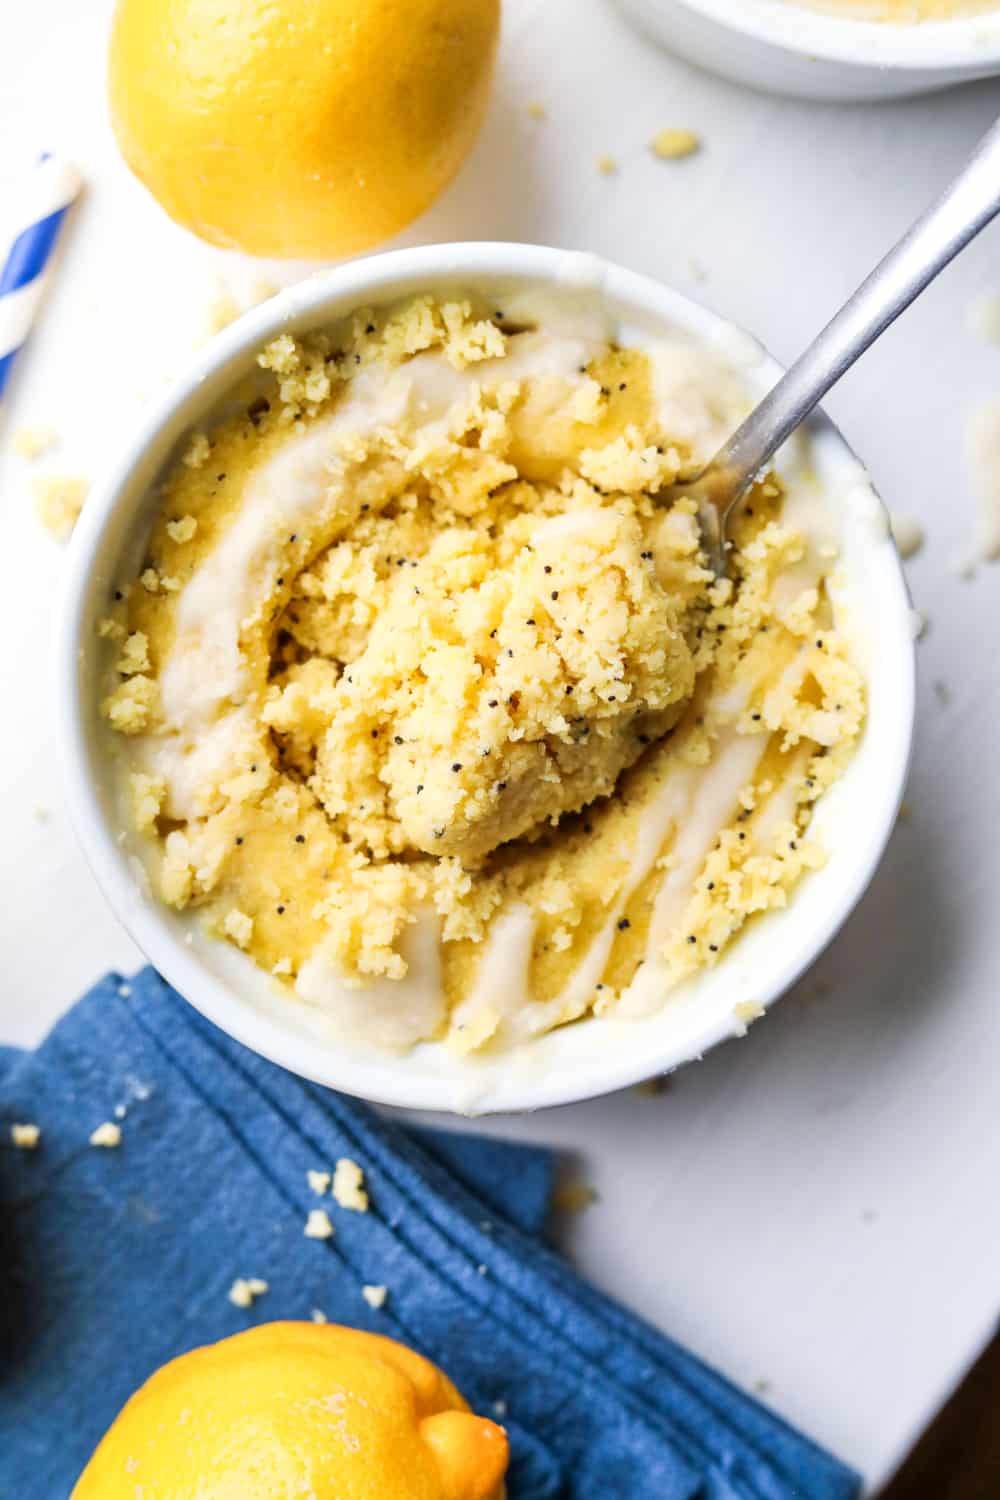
(115, 1260)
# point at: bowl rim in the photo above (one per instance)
(934, 47)
(383, 1078)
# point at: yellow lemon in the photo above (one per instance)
(309, 128)
(289, 1410)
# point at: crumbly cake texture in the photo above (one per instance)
(475, 670)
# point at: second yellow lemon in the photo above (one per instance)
(288, 1411)
(301, 128)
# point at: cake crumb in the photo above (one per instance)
(59, 499)
(198, 450)
(245, 1290)
(318, 1181)
(318, 1315)
(607, 166)
(146, 794)
(318, 1226)
(108, 1135)
(348, 1186)
(744, 1014)
(573, 1197)
(134, 656)
(537, 110)
(183, 529)
(238, 926)
(129, 707)
(375, 1296)
(670, 144)
(907, 533)
(25, 1136)
(31, 442)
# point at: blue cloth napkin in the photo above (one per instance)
(116, 1260)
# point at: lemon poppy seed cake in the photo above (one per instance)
(425, 698)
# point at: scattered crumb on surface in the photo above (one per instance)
(318, 1315)
(537, 110)
(25, 1136)
(942, 691)
(375, 1296)
(318, 1181)
(761, 1387)
(59, 499)
(984, 318)
(108, 1135)
(607, 165)
(907, 533)
(348, 1186)
(318, 1226)
(670, 144)
(245, 1290)
(573, 1197)
(34, 440)
(41, 812)
(905, 813)
(500, 1408)
(918, 624)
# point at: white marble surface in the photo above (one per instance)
(814, 1207)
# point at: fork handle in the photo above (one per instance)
(970, 203)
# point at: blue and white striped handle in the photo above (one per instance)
(50, 190)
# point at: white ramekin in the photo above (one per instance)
(785, 48)
(595, 1056)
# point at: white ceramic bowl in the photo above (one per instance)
(784, 48)
(594, 1056)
